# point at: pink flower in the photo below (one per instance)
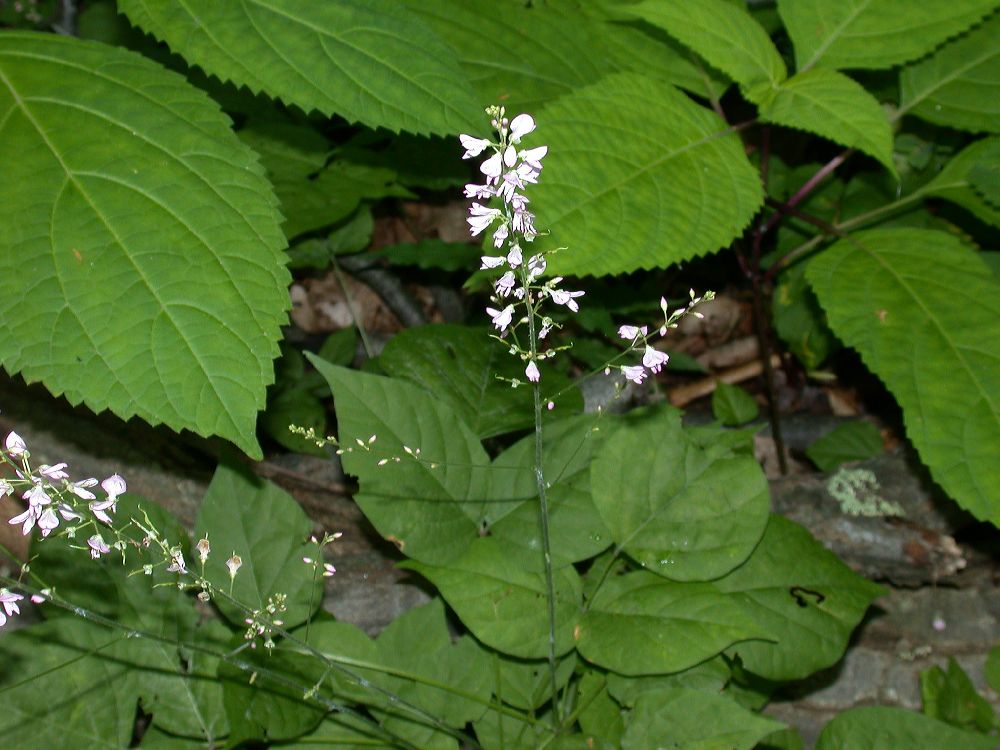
(48, 521)
(631, 332)
(500, 235)
(8, 601)
(473, 146)
(635, 373)
(514, 257)
(501, 318)
(15, 444)
(653, 359)
(520, 126)
(6, 488)
(561, 297)
(481, 217)
(505, 284)
(533, 157)
(98, 508)
(53, 472)
(97, 546)
(80, 488)
(114, 486)
(483, 192)
(492, 168)
(27, 519)
(491, 261)
(531, 372)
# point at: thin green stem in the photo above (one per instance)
(543, 512)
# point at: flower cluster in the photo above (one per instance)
(508, 171)
(638, 337)
(53, 498)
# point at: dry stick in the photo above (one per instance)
(684, 395)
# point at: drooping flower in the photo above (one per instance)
(48, 521)
(483, 192)
(53, 473)
(653, 359)
(15, 444)
(631, 332)
(635, 373)
(97, 546)
(114, 486)
(492, 168)
(561, 297)
(80, 488)
(8, 605)
(480, 217)
(501, 318)
(98, 508)
(500, 235)
(514, 257)
(27, 519)
(520, 126)
(492, 261)
(473, 146)
(505, 284)
(531, 372)
(533, 157)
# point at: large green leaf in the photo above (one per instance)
(923, 311)
(682, 511)
(532, 56)
(369, 61)
(431, 507)
(694, 720)
(832, 105)
(502, 603)
(638, 176)
(450, 686)
(640, 623)
(140, 263)
(576, 531)
(263, 524)
(802, 596)
(879, 727)
(957, 180)
(959, 85)
(723, 33)
(460, 365)
(64, 688)
(312, 193)
(873, 33)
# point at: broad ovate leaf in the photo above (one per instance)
(462, 367)
(723, 33)
(140, 264)
(502, 603)
(683, 511)
(668, 182)
(959, 85)
(693, 720)
(878, 727)
(806, 600)
(369, 61)
(642, 624)
(832, 105)
(873, 33)
(430, 505)
(263, 525)
(65, 684)
(521, 57)
(923, 311)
